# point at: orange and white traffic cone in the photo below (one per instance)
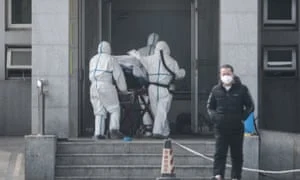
(167, 164)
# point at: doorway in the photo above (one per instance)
(126, 24)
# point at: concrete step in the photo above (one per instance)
(126, 159)
(128, 178)
(133, 147)
(130, 171)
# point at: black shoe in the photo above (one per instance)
(116, 134)
(98, 137)
(101, 137)
(159, 136)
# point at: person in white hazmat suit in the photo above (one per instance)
(148, 51)
(160, 96)
(103, 93)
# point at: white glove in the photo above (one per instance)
(172, 87)
(181, 74)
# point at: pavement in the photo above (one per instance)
(12, 158)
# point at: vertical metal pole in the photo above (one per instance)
(196, 69)
(43, 109)
(82, 52)
(109, 21)
(194, 63)
(39, 111)
(100, 19)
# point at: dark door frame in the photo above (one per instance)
(194, 61)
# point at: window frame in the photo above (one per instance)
(292, 21)
(11, 25)
(9, 52)
(293, 60)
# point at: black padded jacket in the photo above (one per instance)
(227, 109)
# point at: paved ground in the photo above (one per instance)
(12, 158)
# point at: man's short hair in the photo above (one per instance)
(227, 66)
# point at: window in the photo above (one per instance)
(19, 13)
(18, 63)
(280, 61)
(280, 12)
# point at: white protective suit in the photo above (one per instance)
(151, 42)
(160, 97)
(148, 51)
(103, 94)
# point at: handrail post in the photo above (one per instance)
(41, 105)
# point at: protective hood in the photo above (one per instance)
(104, 48)
(152, 39)
(162, 45)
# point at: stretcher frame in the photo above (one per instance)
(135, 103)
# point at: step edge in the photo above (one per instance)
(133, 143)
(128, 166)
(129, 154)
(122, 177)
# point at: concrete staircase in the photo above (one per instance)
(136, 160)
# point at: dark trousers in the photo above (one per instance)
(235, 142)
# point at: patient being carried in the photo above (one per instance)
(135, 73)
(133, 104)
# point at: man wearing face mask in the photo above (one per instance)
(228, 105)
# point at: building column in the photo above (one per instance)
(239, 40)
(2, 42)
(239, 47)
(50, 61)
(74, 76)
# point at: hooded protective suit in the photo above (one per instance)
(151, 42)
(148, 51)
(160, 97)
(103, 94)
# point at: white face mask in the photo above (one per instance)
(227, 79)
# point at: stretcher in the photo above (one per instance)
(133, 103)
